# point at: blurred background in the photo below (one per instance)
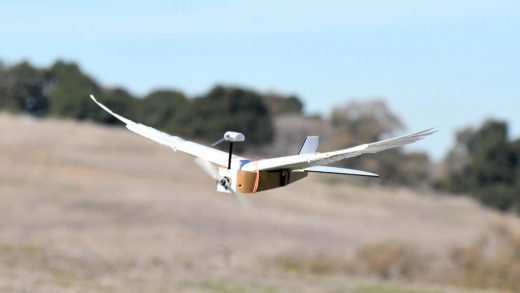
(88, 206)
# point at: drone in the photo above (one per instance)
(238, 175)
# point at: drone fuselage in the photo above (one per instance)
(241, 175)
(252, 182)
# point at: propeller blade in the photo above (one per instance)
(213, 173)
(218, 141)
(208, 168)
(242, 200)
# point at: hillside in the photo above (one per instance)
(98, 209)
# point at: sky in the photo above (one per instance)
(443, 64)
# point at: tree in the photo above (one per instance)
(485, 163)
(456, 164)
(227, 108)
(22, 89)
(360, 122)
(365, 121)
(161, 107)
(69, 92)
(279, 104)
(491, 155)
(119, 101)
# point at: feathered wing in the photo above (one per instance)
(301, 161)
(374, 147)
(176, 143)
(308, 160)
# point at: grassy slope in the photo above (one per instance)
(100, 209)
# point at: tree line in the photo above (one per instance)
(62, 90)
(483, 162)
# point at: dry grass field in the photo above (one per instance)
(86, 208)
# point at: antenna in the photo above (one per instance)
(232, 137)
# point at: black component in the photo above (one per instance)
(226, 182)
(230, 154)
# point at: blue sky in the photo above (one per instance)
(444, 64)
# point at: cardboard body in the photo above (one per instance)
(263, 180)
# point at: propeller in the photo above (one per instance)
(208, 168)
(224, 181)
(218, 141)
